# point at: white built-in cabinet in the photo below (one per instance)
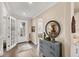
(10, 33)
(1, 33)
(1, 40)
(16, 31)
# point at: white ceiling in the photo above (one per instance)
(76, 7)
(24, 9)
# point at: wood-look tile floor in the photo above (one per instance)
(21, 50)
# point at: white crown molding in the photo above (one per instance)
(37, 14)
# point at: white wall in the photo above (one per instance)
(67, 28)
(77, 21)
(34, 34)
(61, 12)
(3, 13)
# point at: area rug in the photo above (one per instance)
(23, 47)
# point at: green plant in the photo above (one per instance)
(48, 38)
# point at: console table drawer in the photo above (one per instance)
(51, 49)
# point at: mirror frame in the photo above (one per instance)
(59, 28)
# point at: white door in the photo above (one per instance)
(11, 33)
(22, 31)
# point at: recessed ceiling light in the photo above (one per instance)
(29, 2)
(24, 14)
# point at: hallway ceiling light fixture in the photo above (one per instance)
(29, 2)
(24, 14)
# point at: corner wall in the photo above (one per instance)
(61, 12)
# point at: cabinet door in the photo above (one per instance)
(75, 50)
(1, 39)
(11, 32)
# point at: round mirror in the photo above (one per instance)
(52, 29)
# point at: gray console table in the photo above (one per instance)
(50, 49)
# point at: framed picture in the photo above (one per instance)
(33, 29)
